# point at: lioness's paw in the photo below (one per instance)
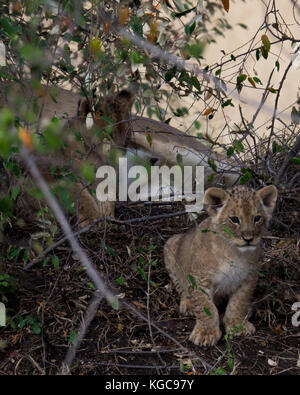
(239, 328)
(205, 336)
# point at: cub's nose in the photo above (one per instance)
(247, 239)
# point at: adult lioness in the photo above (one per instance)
(165, 144)
(81, 146)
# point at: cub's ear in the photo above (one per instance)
(214, 198)
(268, 196)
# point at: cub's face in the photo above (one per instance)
(242, 213)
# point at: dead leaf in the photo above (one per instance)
(208, 138)
(26, 138)
(153, 34)
(284, 243)
(123, 16)
(226, 5)
(252, 82)
(278, 330)
(149, 139)
(139, 305)
(16, 338)
(208, 111)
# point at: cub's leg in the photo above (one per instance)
(197, 301)
(90, 208)
(207, 329)
(235, 316)
(174, 268)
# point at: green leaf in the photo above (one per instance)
(239, 82)
(142, 273)
(277, 65)
(257, 80)
(36, 328)
(13, 252)
(15, 192)
(228, 231)
(72, 337)
(272, 90)
(87, 171)
(227, 103)
(242, 77)
(190, 28)
(296, 161)
(6, 119)
(136, 26)
(51, 134)
(91, 285)
(110, 251)
(211, 177)
(121, 281)
(257, 54)
(245, 178)
(207, 312)
(212, 164)
(276, 147)
(196, 50)
(230, 363)
(170, 74)
(55, 261)
(238, 146)
(229, 152)
(192, 281)
(195, 82)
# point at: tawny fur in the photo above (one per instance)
(80, 144)
(219, 259)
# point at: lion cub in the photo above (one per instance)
(219, 259)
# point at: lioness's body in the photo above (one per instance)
(166, 141)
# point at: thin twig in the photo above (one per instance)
(293, 152)
(89, 316)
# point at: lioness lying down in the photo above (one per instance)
(80, 146)
(83, 145)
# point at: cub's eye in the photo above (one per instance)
(235, 220)
(257, 218)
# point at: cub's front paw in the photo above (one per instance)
(237, 328)
(185, 306)
(205, 335)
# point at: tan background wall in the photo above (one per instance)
(252, 14)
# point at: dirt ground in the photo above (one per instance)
(47, 303)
